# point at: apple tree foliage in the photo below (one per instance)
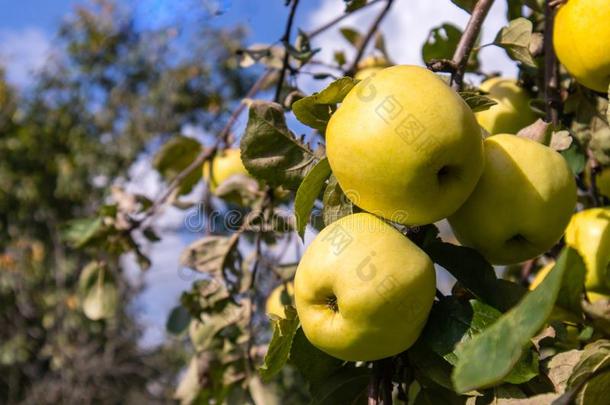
(490, 341)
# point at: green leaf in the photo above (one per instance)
(178, 320)
(269, 150)
(475, 274)
(575, 157)
(208, 254)
(430, 365)
(476, 101)
(515, 39)
(175, 156)
(441, 42)
(352, 36)
(353, 5)
(313, 364)
(336, 203)
(307, 193)
(315, 110)
(347, 386)
(279, 347)
(490, 356)
(79, 232)
(466, 5)
(591, 376)
(452, 321)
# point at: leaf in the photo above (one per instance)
(208, 254)
(347, 386)
(175, 156)
(279, 347)
(307, 193)
(539, 131)
(100, 297)
(591, 376)
(430, 364)
(475, 274)
(353, 5)
(352, 36)
(466, 5)
(452, 321)
(315, 110)
(488, 357)
(336, 204)
(270, 56)
(515, 39)
(313, 364)
(441, 42)
(178, 320)
(575, 157)
(269, 150)
(79, 232)
(189, 385)
(559, 368)
(477, 102)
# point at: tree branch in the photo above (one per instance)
(338, 19)
(375, 380)
(369, 35)
(552, 98)
(286, 41)
(464, 47)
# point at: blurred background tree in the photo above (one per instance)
(113, 92)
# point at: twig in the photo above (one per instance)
(551, 68)
(386, 381)
(373, 388)
(286, 41)
(369, 35)
(464, 47)
(338, 19)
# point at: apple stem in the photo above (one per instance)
(469, 37)
(369, 35)
(551, 68)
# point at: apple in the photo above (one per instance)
(512, 112)
(370, 65)
(405, 146)
(589, 233)
(225, 164)
(363, 291)
(581, 36)
(275, 305)
(522, 203)
(602, 180)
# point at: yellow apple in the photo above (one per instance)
(403, 145)
(602, 180)
(225, 164)
(274, 305)
(589, 233)
(369, 66)
(363, 291)
(521, 204)
(512, 112)
(581, 38)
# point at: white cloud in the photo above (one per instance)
(23, 52)
(406, 29)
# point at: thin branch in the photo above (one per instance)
(286, 41)
(464, 47)
(369, 35)
(373, 388)
(551, 68)
(338, 19)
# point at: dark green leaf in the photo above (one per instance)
(466, 5)
(176, 155)
(591, 376)
(79, 232)
(515, 39)
(347, 386)
(313, 364)
(475, 274)
(315, 110)
(336, 203)
(477, 102)
(575, 157)
(178, 320)
(307, 193)
(490, 356)
(352, 36)
(353, 5)
(269, 150)
(279, 347)
(441, 42)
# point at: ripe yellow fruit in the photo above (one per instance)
(602, 180)
(581, 37)
(363, 291)
(274, 305)
(521, 204)
(512, 113)
(370, 65)
(224, 165)
(403, 145)
(589, 233)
